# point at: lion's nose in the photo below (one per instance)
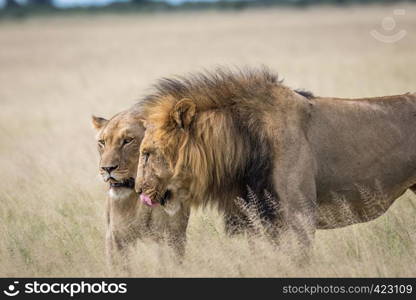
(109, 169)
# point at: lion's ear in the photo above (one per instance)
(183, 113)
(143, 122)
(98, 122)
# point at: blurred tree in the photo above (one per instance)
(11, 4)
(138, 1)
(40, 2)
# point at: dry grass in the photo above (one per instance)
(55, 72)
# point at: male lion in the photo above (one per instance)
(210, 136)
(127, 219)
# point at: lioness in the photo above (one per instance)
(209, 136)
(128, 219)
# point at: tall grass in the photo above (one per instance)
(56, 72)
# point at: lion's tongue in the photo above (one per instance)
(146, 200)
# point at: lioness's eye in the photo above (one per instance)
(101, 143)
(127, 141)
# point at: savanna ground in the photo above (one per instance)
(56, 72)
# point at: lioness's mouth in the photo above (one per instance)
(148, 201)
(128, 183)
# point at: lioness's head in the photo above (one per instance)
(162, 170)
(119, 142)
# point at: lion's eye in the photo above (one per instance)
(101, 143)
(127, 141)
(146, 156)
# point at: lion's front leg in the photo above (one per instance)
(116, 252)
(109, 250)
(294, 181)
(178, 243)
(177, 227)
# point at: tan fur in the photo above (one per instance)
(209, 136)
(127, 218)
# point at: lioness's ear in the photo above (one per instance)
(98, 122)
(183, 113)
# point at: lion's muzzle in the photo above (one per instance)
(147, 198)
